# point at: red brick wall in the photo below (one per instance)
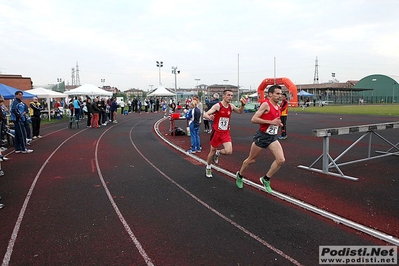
(16, 81)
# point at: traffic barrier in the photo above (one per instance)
(368, 130)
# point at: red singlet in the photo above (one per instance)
(221, 122)
(271, 115)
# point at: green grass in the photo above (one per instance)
(380, 110)
(46, 121)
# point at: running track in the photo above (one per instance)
(120, 195)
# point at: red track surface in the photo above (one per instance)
(371, 201)
(95, 192)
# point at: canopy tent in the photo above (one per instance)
(8, 92)
(304, 93)
(161, 91)
(253, 95)
(45, 93)
(88, 89)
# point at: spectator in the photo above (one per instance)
(76, 106)
(113, 109)
(96, 113)
(17, 116)
(35, 112)
(193, 116)
(3, 122)
(89, 112)
(122, 106)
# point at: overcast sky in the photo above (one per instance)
(211, 40)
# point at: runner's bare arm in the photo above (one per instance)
(240, 109)
(210, 113)
(264, 109)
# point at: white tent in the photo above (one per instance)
(253, 95)
(161, 91)
(89, 89)
(45, 93)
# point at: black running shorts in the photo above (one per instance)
(263, 140)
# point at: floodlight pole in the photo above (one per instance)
(159, 65)
(175, 72)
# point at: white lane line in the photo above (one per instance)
(115, 206)
(14, 235)
(257, 238)
(336, 218)
(53, 132)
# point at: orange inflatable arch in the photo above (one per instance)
(278, 81)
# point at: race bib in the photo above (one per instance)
(223, 123)
(272, 130)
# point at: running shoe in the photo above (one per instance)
(208, 172)
(2, 158)
(239, 182)
(282, 137)
(27, 151)
(1, 172)
(190, 151)
(266, 184)
(216, 157)
(1, 206)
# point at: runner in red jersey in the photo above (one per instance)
(220, 114)
(268, 118)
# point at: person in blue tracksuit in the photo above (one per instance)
(18, 117)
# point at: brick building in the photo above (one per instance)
(16, 81)
(218, 88)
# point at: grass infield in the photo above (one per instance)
(378, 109)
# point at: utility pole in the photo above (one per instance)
(77, 74)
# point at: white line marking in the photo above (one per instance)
(257, 238)
(14, 235)
(118, 212)
(338, 219)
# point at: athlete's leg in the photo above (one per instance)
(253, 154)
(277, 151)
(227, 148)
(211, 153)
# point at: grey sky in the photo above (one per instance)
(119, 40)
